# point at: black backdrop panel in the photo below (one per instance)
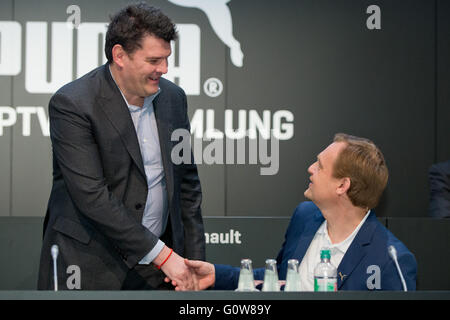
(315, 60)
(319, 60)
(443, 81)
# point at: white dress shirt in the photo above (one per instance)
(156, 207)
(312, 257)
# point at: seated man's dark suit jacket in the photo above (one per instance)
(368, 248)
(439, 179)
(100, 189)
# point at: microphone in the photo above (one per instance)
(54, 251)
(393, 254)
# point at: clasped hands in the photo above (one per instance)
(184, 274)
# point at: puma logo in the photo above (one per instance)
(219, 16)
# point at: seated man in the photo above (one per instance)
(346, 182)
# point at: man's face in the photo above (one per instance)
(323, 186)
(143, 68)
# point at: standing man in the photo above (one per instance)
(119, 209)
(346, 183)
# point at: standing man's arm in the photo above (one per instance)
(191, 199)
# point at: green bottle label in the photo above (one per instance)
(325, 285)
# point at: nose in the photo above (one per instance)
(163, 66)
(311, 168)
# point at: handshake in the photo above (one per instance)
(184, 274)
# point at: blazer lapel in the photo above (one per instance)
(307, 236)
(160, 103)
(357, 250)
(116, 110)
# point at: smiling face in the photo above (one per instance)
(323, 186)
(138, 73)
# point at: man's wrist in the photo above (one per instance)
(158, 261)
(165, 260)
(147, 259)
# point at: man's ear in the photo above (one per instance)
(118, 55)
(344, 186)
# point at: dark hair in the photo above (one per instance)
(132, 23)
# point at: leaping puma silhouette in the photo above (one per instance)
(219, 17)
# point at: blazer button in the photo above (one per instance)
(138, 206)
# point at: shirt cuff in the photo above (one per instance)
(153, 253)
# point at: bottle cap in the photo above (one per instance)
(325, 254)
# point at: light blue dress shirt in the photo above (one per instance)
(156, 208)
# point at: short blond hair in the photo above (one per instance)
(364, 164)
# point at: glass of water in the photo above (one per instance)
(246, 280)
(292, 276)
(271, 276)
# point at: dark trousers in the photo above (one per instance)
(148, 277)
(145, 277)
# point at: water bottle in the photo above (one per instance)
(271, 276)
(292, 276)
(325, 274)
(246, 280)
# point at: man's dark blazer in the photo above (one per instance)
(100, 189)
(369, 248)
(439, 180)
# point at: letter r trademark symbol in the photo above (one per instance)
(213, 87)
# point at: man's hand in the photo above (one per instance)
(204, 272)
(176, 270)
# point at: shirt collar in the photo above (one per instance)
(147, 101)
(345, 244)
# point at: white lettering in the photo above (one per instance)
(191, 310)
(181, 152)
(374, 21)
(211, 132)
(75, 18)
(10, 118)
(257, 125)
(89, 48)
(74, 280)
(44, 121)
(188, 68)
(283, 131)
(374, 280)
(252, 309)
(36, 76)
(10, 48)
(26, 113)
(197, 124)
(231, 237)
(40, 77)
(229, 131)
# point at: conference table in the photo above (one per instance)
(217, 295)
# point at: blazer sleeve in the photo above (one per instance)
(191, 199)
(227, 277)
(390, 277)
(77, 155)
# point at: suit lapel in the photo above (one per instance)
(307, 236)
(160, 103)
(357, 250)
(116, 110)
